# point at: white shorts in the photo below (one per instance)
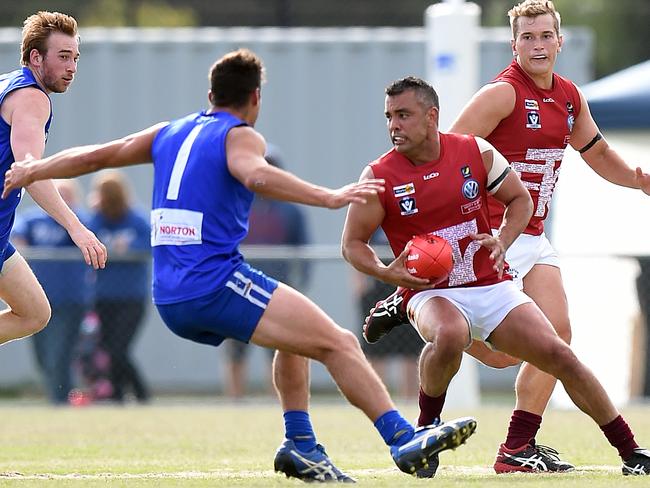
(484, 307)
(526, 252)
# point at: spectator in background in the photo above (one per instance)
(403, 345)
(272, 222)
(122, 289)
(54, 345)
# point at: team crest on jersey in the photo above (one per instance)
(403, 190)
(470, 189)
(533, 120)
(531, 104)
(466, 171)
(570, 120)
(407, 206)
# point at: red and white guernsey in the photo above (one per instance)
(445, 197)
(533, 139)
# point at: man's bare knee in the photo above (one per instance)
(563, 329)
(343, 343)
(449, 342)
(37, 319)
(558, 360)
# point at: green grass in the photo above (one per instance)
(225, 445)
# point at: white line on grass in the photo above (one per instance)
(481, 471)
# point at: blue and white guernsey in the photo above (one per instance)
(199, 210)
(9, 82)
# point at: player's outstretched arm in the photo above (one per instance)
(132, 149)
(601, 157)
(245, 148)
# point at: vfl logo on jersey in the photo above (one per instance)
(430, 176)
(533, 120)
(531, 104)
(403, 190)
(470, 189)
(466, 172)
(407, 206)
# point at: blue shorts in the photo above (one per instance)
(7, 251)
(233, 311)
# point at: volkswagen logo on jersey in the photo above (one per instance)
(470, 189)
(407, 206)
(533, 120)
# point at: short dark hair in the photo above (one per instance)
(234, 77)
(423, 90)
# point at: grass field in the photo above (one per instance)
(224, 445)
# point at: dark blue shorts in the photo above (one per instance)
(233, 311)
(7, 251)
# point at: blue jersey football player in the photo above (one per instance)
(49, 54)
(207, 166)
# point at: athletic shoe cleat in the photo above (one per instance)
(430, 471)
(637, 464)
(385, 316)
(312, 466)
(434, 461)
(532, 458)
(422, 450)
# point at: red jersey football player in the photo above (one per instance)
(530, 115)
(439, 183)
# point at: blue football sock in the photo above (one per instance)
(394, 429)
(298, 428)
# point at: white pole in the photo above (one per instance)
(452, 52)
(452, 63)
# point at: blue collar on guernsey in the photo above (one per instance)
(206, 113)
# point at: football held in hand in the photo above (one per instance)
(429, 257)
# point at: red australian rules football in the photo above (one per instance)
(429, 257)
